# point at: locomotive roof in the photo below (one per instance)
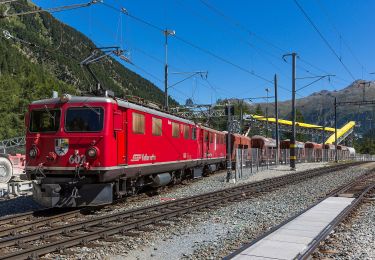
(120, 102)
(128, 104)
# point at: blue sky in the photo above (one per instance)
(252, 35)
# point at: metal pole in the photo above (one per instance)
(267, 114)
(277, 121)
(323, 142)
(336, 155)
(293, 137)
(229, 145)
(241, 114)
(166, 71)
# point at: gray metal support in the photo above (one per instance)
(229, 146)
(166, 71)
(336, 155)
(277, 122)
(293, 137)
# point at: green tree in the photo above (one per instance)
(48, 58)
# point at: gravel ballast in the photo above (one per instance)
(214, 234)
(354, 238)
(212, 183)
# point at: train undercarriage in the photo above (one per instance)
(72, 189)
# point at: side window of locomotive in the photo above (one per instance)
(175, 130)
(205, 136)
(186, 131)
(47, 120)
(211, 138)
(138, 123)
(156, 126)
(84, 119)
(194, 133)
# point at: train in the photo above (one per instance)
(91, 150)
(88, 151)
(305, 152)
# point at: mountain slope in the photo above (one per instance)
(318, 107)
(44, 55)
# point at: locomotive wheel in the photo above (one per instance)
(6, 170)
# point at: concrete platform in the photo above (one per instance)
(294, 237)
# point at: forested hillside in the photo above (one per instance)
(42, 55)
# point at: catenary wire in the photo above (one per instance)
(323, 38)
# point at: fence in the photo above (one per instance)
(253, 160)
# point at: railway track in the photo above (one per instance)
(42, 236)
(359, 189)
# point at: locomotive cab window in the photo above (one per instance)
(47, 120)
(138, 123)
(84, 119)
(156, 126)
(175, 129)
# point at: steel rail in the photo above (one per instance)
(343, 189)
(33, 223)
(33, 220)
(315, 244)
(103, 226)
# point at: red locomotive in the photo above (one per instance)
(88, 150)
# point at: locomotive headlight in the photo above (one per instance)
(33, 153)
(92, 152)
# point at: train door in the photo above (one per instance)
(119, 127)
(206, 143)
(201, 149)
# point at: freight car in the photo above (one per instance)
(89, 150)
(300, 149)
(351, 153)
(343, 152)
(240, 142)
(314, 152)
(329, 152)
(266, 147)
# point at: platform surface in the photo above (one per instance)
(293, 238)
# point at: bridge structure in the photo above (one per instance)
(303, 128)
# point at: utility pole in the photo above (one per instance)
(166, 34)
(267, 90)
(241, 114)
(293, 137)
(229, 145)
(336, 155)
(277, 121)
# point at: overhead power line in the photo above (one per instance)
(324, 11)
(242, 27)
(323, 38)
(238, 25)
(195, 46)
(261, 52)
